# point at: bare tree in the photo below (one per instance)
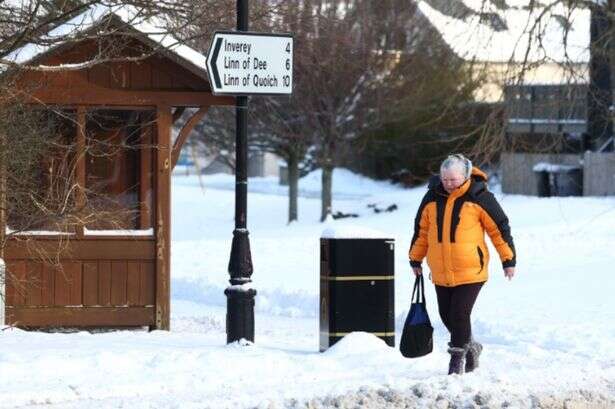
(278, 128)
(355, 66)
(338, 63)
(280, 124)
(214, 137)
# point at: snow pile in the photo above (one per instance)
(358, 343)
(424, 395)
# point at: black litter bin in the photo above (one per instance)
(542, 183)
(558, 180)
(567, 181)
(356, 289)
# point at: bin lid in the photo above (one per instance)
(354, 232)
(554, 167)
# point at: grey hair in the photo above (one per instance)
(459, 162)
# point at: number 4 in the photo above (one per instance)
(288, 47)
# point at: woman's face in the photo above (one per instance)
(451, 179)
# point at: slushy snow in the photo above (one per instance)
(548, 335)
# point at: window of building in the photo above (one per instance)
(119, 170)
(97, 182)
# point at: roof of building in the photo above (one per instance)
(508, 31)
(153, 29)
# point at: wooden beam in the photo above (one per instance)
(185, 132)
(80, 317)
(109, 97)
(90, 248)
(163, 216)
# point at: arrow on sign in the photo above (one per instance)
(214, 59)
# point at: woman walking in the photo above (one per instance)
(449, 229)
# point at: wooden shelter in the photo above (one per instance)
(109, 274)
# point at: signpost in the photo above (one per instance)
(250, 63)
(242, 64)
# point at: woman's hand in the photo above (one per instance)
(417, 271)
(509, 272)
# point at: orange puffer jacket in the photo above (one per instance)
(450, 231)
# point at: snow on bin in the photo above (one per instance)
(558, 180)
(356, 284)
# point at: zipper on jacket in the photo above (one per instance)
(480, 257)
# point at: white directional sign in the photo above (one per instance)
(250, 63)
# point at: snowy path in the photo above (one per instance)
(549, 334)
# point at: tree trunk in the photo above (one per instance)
(327, 179)
(293, 186)
(3, 207)
(3, 192)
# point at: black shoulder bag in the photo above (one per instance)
(417, 337)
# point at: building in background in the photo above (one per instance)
(536, 62)
(504, 47)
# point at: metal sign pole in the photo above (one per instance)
(240, 295)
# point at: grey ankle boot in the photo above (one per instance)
(474, 350)
(456, 365)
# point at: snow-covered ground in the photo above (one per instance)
(549, 334)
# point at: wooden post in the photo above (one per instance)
(163, 216)
(3, 221)
(146, 196)
(80, 159)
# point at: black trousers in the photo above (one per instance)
(455, 306)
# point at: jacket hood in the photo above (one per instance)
(478, 174)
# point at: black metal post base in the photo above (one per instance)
(240, 262)
(239, 313)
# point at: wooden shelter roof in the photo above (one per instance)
(125, 20)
